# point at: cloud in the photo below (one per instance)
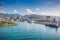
(58, 5)
(37, 9)
(49, 3)
(2, 8)
(53, 12)
(29, 11)
(2, 11)
(15, 11)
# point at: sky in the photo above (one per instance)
(27, 7)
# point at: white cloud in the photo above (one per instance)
(49, 3)
(52, 12)
(29, 11)
(2, 8)
(37, 9)
(15, 11)
(58, 5)
(2, 11)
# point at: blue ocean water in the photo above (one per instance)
(26, 31)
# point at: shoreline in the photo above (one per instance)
(3, 23)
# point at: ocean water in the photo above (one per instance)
(27, 31)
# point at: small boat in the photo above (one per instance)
(29, 21)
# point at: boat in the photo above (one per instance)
(29, 21)
(51, 25)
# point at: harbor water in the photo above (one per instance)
(29, 31)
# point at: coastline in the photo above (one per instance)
(3, 23)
